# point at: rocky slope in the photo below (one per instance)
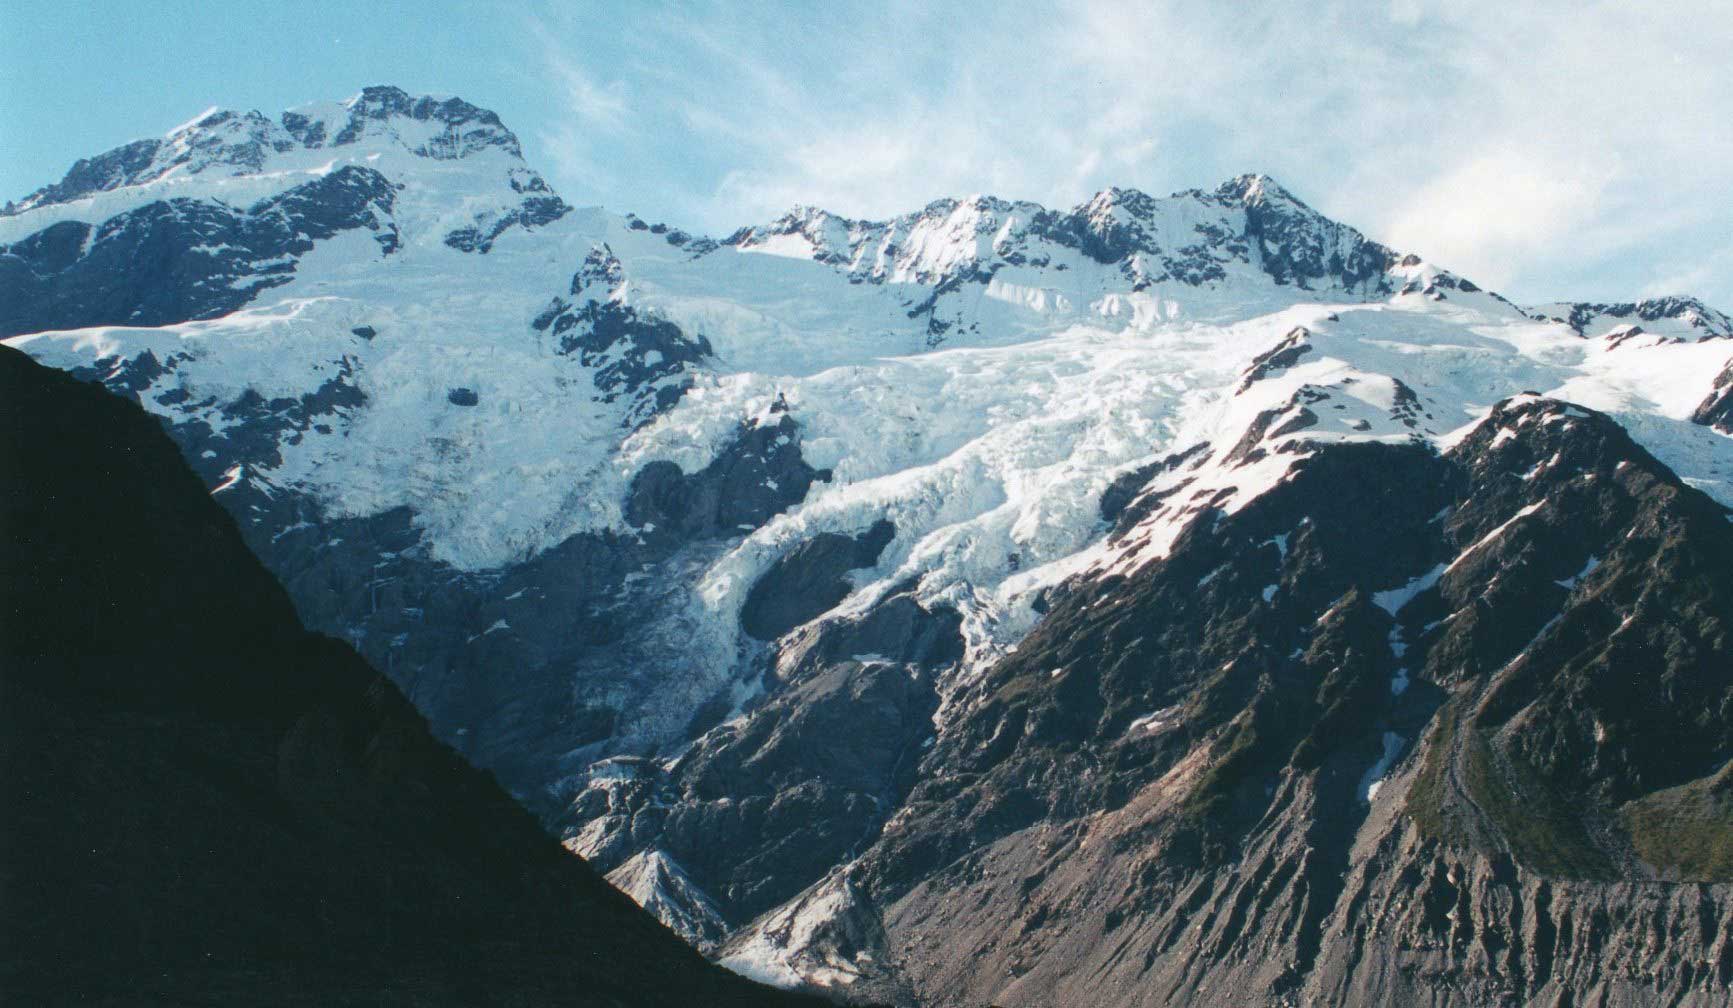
(208, 804)
(763, 569)
(1410, 728)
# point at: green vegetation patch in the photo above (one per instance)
(1535, 819)
(1688, 829)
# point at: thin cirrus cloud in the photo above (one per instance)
(1562, 149)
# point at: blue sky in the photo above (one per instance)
(1564, 150)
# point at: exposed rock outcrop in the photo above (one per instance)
(1468, 747)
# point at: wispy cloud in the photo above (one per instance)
(1563, 148)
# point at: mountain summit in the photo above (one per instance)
(229, 143)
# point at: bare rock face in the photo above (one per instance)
(1410, 728)
(183, 259)
(810, 580)
(763, 806)
(1478, 929)
(1716, 409)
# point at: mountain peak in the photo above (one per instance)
(381, 103)
(1256, 188)
(235, 143)
(1113, 197)
(1195, 237)
(442, 127)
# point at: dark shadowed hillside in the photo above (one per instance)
(206, 804)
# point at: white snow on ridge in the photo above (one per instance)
(983, 450)
(214, 161)
(194, 121)
(989, 453)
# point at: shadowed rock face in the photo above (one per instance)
(535, 211)
(1688, 314)
(208, 804)
(562, 669)
(1409, 728)
(645, 359)
(810, 580)
(1716, 409)
(182, 259)
(763, 806)
(519, 667)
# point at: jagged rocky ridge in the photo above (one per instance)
(235, 143)
(1716, 409)
(243, 811)
(1675, 317)
(185, 251)
(701, 548)
(1195, 238)
(1408, 728)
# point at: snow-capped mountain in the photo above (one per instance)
(201, 221)
(723, 554)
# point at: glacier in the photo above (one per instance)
(979, 372)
